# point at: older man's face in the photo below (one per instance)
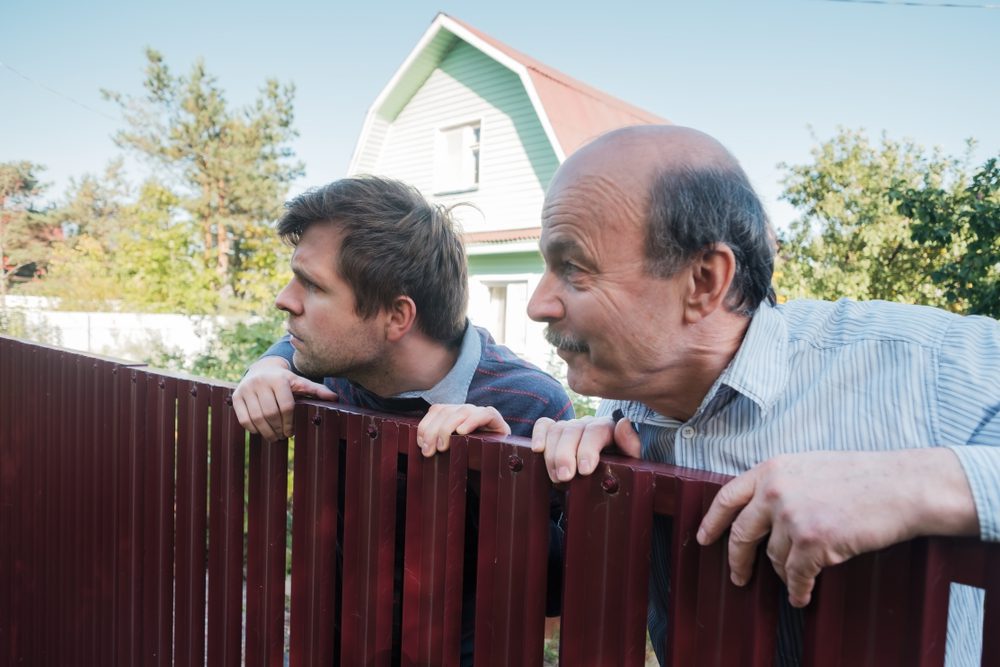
(614, 324)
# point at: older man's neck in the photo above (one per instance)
(679, 393)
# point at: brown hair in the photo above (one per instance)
(394, 243)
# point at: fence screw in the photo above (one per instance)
(610, 485)
(515, 463)
(194, 391)
(162, 383)
(372, 431)
(229, 399)
(317, 420)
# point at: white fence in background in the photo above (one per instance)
(132, 336)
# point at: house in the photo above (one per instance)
(467, 119)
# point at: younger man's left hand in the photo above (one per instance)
(435, 429)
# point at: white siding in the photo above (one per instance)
(516, 160)
(368, 158)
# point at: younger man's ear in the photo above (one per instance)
(400, 318)
(711, 275)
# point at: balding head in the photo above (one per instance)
(689, 192)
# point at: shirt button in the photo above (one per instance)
(687, 432)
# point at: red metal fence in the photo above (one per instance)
(128, 497)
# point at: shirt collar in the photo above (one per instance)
(759, 370)
(454, 387)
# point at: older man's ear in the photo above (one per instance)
(710, 276)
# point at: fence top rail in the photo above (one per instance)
(63, 350)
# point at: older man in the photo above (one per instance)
(851, 426)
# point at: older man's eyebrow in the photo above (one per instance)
(562, 247)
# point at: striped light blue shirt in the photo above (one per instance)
(814, 375)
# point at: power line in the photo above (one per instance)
(57, 93)
(228, 163)
(911, 3)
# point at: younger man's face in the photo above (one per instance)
(329, 337)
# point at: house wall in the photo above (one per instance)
(368, 158)
(516, 165)
(520, 271)
(516, 160)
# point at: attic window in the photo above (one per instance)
(457, 158)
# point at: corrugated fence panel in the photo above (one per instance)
(192, 522)
(225, 545)
(709, 616)
(607, 567)
(155, 485)
(266, 513)
(369, 542)
(513, 553)
(435, 542)
(314, 536)
(10, 470)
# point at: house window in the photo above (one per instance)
(457, 158)
(508, 320)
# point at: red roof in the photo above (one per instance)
(576, 111)
(503, 235)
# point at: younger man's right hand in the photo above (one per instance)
(264, 399)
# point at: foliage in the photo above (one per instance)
(25, 234)
(127, 255)
(231, 169)
(963, 225)
(850, 240)
(583, 406)
(234, 348)
(93, 206)
(14, 322)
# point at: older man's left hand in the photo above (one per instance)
(818, 509)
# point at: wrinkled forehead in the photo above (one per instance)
(593, 219)
(594, 199)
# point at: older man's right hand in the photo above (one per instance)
(264, 400)
(575, 445)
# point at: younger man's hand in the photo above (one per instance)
(264, 399)
(435, 429)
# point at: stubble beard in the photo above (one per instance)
(331, 363)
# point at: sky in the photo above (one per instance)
(768, 78)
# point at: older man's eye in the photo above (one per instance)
(568, 268)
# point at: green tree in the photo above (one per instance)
(92, 206)
(232, 167)
(135, 255)
(850, 240)
(963, 225)
(24, 234)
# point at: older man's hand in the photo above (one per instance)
(818, 509)
(264, 399)
(575, 445)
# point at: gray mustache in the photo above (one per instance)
(564, 342)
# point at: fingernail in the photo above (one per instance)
(701, 537)
(737, 579)
(564, 474)
(584, 467)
